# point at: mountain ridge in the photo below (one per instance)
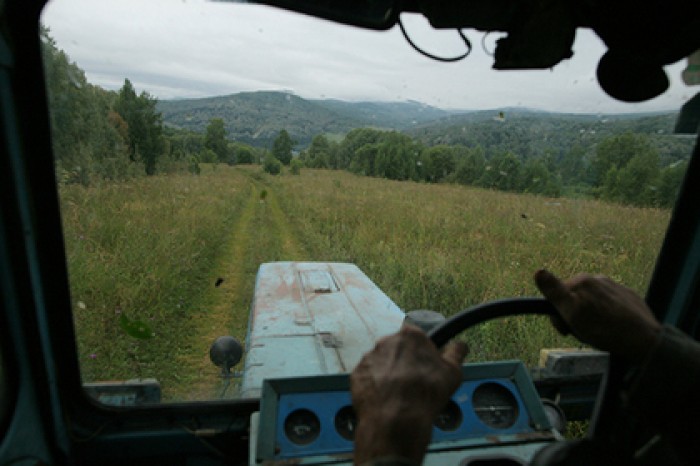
(256, 117)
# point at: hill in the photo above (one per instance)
(256, 117)
(530, 132)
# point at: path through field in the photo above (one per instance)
(261, 233)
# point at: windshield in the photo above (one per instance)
(195, 141)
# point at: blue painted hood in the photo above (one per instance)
(313, 318)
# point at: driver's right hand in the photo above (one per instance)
(602, 313)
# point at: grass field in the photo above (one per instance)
(154, 248)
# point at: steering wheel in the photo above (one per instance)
(554, 454)
(474, 315)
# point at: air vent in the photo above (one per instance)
(318, 281)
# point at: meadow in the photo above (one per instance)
(154, 249)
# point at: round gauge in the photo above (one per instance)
(450, 418)
(346, 422)
(495, 405)
(302, 427)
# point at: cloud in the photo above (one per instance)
(194, 48)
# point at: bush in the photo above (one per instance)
(295, 166)
(272, 165)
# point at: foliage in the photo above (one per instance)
(89, 139)
(271, 165)
(319, 153)
(295, 166)
(282, 147)
(144, 249)
(144, 125)
(215, 140)
(194, 167)
(208, 156)
(625, 168)
(256, 118)
(245, 154)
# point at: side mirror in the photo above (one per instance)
(225, 353)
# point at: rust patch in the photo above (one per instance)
(493, 439)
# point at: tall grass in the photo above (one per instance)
(152, 249)
(144, 248)
(446, 247)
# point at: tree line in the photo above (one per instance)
(100, 134)
(117, 135)
(625, 168)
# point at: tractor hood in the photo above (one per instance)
(313, 318)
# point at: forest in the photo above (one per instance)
(118, 135)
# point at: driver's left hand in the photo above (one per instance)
(398, 389)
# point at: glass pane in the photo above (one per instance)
(196, 141)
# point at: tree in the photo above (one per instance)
(244, 154)
(636, 183)
(502, 172)
(271, 165)
(536, 178)
(88, 138)
(282, 147)
(295, 167)
(215, 139)
(442, 162)
(670, 181)
(617, 151)
(145, 126)
(469, 166)
(318, 155)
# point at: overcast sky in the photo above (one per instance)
(194, 48)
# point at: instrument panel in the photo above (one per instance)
(311, 419)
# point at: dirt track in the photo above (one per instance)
(260, 234)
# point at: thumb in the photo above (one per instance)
(455, 352)
(552, 288)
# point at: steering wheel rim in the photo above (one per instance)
(483, 312)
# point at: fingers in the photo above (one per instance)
(558, 294)
(559, 324)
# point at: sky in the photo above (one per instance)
(177, 49)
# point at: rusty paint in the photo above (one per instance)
(313, 318)
(493, 439)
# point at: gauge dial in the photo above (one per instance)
(302, 427)
(449, 418)
(495, 405)
(346, 423)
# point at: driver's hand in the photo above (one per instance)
(398, 389)
(602, 313)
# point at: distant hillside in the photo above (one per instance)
(257, 117)
(530, 132)
(394, 115)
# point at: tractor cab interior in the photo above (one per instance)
(53, 410)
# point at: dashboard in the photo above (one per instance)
(495, 415)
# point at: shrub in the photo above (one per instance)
(295, 166)
(272, 165)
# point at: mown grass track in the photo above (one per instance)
(261, 234)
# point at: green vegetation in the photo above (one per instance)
(215, 139)
(154, 247)
(256, 118)
(271, 165)
(445, 216)
(282, 147)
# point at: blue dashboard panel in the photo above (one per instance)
(312, 417)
